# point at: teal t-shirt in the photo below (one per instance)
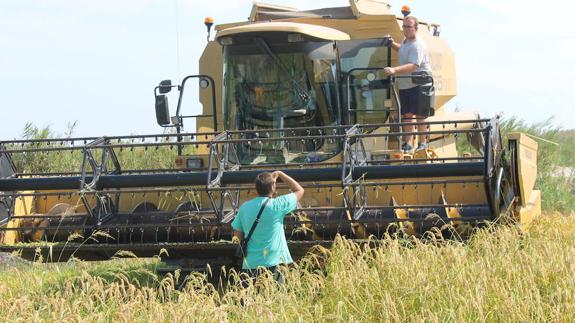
(267, 246)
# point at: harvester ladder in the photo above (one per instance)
(222, 153)
(103, 208)
(354, 154)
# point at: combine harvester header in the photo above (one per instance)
(303, 92)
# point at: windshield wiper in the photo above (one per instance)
(263, 45)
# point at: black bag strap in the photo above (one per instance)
(256, 222)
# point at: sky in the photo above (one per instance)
(96, 63)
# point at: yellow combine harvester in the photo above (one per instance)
(300, 91)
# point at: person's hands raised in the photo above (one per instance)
(276, 174)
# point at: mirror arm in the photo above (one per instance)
(181, 88)
(212, 83)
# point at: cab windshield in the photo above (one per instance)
(278, 86)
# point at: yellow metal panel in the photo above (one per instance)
(442, 62)
(22, 207)
(267, 7)
(316, 31)
(369, 7)
(460, 193)
(526, 164)
(211, 63)
(43, 204)
(531, 210)
(444, 147)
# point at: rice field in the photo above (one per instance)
(500, 275)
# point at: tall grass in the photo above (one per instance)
(501, 275)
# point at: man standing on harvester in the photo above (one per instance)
(413, 57)
(260, 221)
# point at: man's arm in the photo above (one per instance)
(392, 43)
(237, 233)
(290, 182)
(401, 69)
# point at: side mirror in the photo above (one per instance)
(162, 110)
(421, 78)
(165, 86)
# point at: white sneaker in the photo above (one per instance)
(421, 146)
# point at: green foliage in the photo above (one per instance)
(137, 158)
(43, 161)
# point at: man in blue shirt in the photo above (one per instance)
(267, 246)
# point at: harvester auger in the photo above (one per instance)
(303, 92)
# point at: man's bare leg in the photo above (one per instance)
(422, 139)
(408, 129)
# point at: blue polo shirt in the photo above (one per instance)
(267, 246)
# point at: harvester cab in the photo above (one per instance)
(303, 92)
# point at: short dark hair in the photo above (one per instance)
(264, 183)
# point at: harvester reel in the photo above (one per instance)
(144, 207)
(503, 196)
(187, 207)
